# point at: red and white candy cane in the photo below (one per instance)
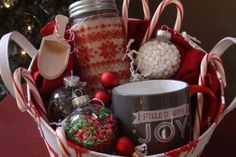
(125, 12)
(22, 103)
(216, 61)
(216, 52)
(62, 143)
(157, 14)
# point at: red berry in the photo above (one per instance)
(124, 146)
(104, 97)
(109, 79)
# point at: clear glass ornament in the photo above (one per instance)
(91, 125)
(159, 58)
(60, 105)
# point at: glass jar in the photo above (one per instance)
(99, 40)
(61, 105)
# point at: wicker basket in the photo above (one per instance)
(55, 140)
(193, 149)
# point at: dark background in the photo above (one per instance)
(209, 21)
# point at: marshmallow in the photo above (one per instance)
(158, 59)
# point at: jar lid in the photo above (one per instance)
(71, 81)
(80, 100)
(85, 6)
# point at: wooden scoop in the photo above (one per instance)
(54, 51)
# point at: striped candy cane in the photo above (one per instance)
(22, 103)
(62, 143)
(157, 14)
(216, 61)
(125, 12)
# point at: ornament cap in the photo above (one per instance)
(163, 35)
(71, 81)
(80, 100)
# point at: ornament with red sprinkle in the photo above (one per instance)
(124, 146)
(104, 97)
(91, 126)
(109, 79)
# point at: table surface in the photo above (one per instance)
(19, 135)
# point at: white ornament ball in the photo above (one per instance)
(158, 60)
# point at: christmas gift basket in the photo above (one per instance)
(101, 47)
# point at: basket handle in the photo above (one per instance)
(219, 50)
(223, 45)
(214, 57)
(231, 107)
(125, 12)
(4, 56)
(208, 58)
(157, 14)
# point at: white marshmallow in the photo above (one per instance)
(159, 59)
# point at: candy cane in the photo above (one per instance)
(216, 61)
(159, 11)
(146, 10)
(19, 94)
(52, 152)
(125, 12)
(62, 143)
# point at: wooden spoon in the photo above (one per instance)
(54, 51)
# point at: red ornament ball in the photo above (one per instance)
(104, 97)
(124, 146)
(109, 79)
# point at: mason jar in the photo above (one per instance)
(100, 41)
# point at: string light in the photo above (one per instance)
(29, 28)
(8, 3)
(23, 52)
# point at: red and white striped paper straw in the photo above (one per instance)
(157, 14)
(216, 61)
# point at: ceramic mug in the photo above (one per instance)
(156, 112)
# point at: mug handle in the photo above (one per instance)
(194, 89)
